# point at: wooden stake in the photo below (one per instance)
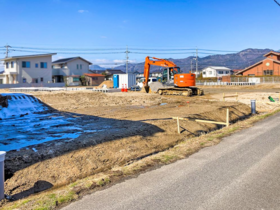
(227, 117)
(202, 121)
(178, 124)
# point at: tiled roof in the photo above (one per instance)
(27, 56)
(94, 75)
(272, 52)
(65, 60)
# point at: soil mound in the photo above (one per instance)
(108, 83)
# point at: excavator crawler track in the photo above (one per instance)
(190, 91)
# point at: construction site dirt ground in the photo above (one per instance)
(118, 128)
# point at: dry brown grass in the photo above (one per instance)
(54, 198)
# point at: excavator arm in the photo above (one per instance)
(154, 62)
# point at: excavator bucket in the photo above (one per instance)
(147, 89)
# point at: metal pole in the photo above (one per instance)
(127, 59)
(191, 65)
(253, 106)
(196, 61)
(7, 50)
(2, 174)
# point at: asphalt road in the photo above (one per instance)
(242, 172)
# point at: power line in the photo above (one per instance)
(277, 2)
(67, 49)
(106, 49)
(32, 51)
(183, 50)
(127, 58)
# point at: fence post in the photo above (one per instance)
(227, 117)
(178, 124)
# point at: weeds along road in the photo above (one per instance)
(242, 172)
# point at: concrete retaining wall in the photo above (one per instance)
(32, 85)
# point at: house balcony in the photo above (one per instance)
(61, 71)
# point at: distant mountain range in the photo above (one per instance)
(96, 67)
(238, 60)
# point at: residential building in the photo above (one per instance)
(156, 73)
(27, 69)
(94, 79)
(70, 68)
(2, 77)
(269, 66)
(215, 71)
(235, 71)
(197, 73)
(109, 73)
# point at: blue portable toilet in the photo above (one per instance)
(116, 81)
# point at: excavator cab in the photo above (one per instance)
(168, 74)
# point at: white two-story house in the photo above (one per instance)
(71, 69)
(27, 69)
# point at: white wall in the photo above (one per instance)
(211, 72)
(127, 79)
(10, 69)
(32, 85)
(71, 68)
(32, 72)
(3, 78)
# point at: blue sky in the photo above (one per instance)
(154, 24)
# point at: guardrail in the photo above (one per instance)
(227, 83)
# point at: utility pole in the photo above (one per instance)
(191, 64)
(127, 59)
(196, 62)
(7, 50)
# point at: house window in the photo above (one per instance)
(268, 72)
(1, 81)
(35, 80)
(81, 66)
(210, 72)
(36, 65)
(7, 65)
(25, 64)
(76, 79)
(77, 66)
(220, 72)
(42, 79)
(43, 65)
(94, 78)
(23, 80)
(227, 72)
(12, 64)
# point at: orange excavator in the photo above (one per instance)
(173, 82)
